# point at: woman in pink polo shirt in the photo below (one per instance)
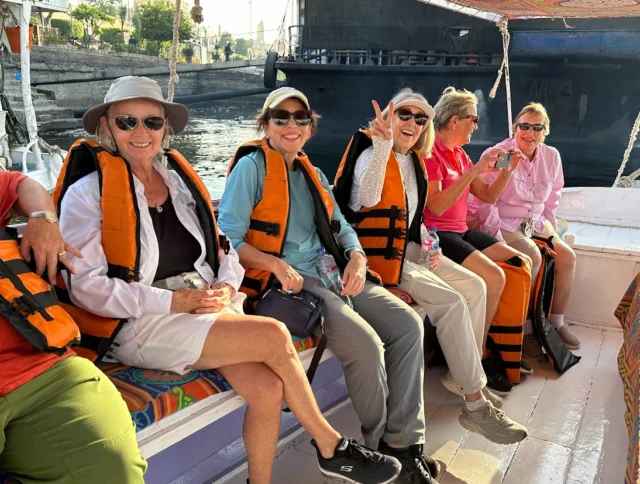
(528, 206)
(452, 176)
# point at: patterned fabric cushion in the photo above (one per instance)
(563, 227)
(628, 313)
(152, 395)
(403, 296)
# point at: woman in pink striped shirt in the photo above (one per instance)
(528, 206)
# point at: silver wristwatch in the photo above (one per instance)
(45, 214)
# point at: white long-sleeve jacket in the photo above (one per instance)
(92, 289)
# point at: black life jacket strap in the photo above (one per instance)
(122, 272)
(394, 233)
(269, 228)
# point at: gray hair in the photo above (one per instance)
(452, 103)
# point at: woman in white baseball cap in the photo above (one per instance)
(153, 257)
(280, 214)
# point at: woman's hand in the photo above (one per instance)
(48, 247)
(380, 126)
(434, 260)
(516, 158)
(201, 300)
(354, 274)
(488, 160)
(290, 280)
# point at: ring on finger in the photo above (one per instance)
(289, 291)
(62, 253)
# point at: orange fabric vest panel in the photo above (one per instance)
(28, 303)
(507, 327)
(267, 230)
(121, 229)
(371, 230)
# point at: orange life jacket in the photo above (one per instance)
(121, 229)
(507, 328)
(383, 229)
(29, 304)
(270, 217)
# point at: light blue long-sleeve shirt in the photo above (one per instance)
(242, 193)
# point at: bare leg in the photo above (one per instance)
(263, 391)
(238, 338)
(565, 269)
(495, 280)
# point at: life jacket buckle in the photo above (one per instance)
(26, 304)
(335, 226)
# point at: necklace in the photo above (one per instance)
(159, 208)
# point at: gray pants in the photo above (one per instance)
(380, 346)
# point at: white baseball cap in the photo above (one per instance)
(277, 97)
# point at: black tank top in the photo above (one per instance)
(179, 250)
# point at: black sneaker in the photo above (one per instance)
(353, 462)
(525, 369)
(415, 469)
(432, 464)
(496, 381)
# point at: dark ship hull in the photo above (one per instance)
(589, 79)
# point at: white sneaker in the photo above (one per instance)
(448, 382)
(492, 424)
(495, 400)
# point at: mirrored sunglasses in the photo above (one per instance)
(126, 122)
(302, 117)
(527, 126)
(406, 114)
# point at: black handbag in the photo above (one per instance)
(301, 313)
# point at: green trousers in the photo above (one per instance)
(69, 425)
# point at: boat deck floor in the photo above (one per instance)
(577, 433)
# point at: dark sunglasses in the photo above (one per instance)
(302, 117)
(472, 117)
(527, 126)
(406, 115)
(125, 122)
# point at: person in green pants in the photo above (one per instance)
(61, 419)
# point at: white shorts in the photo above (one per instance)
(170, 342)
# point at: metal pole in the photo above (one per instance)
(25, 67)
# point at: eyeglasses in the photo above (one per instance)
(472, 117)
(528, 126)
(125, 122)
(406, 114)
(302, 117)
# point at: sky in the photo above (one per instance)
(233, 15)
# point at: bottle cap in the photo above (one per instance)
(320, 250)
(432, 229)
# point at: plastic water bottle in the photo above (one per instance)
(430, 245)
(330, 275)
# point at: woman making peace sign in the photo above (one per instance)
(381, 184)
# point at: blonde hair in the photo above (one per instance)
(103, 136)
(425, 141)
(452, 103)
(534, 108)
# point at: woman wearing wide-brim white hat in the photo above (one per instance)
(181, 315)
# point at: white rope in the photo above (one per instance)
(504, 68)
(173, 75)
(632, 139)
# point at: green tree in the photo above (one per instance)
(110, 36)
(91, 18)
(242, 47)
(224, 38)
(156, 23)
(109, 7)
(69, 29)
(122, 13)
